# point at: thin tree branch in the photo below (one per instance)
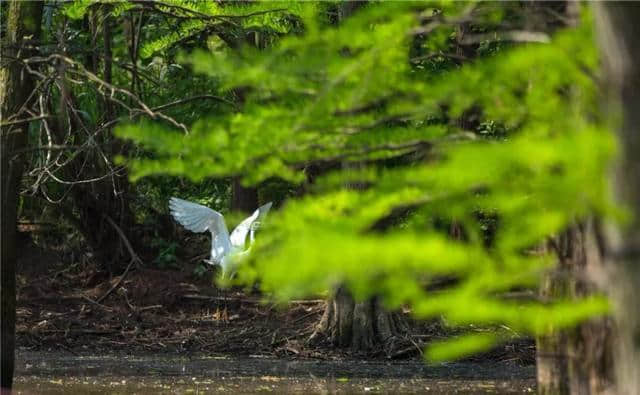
(188, 99)
(25, 120)
(514, 36)
(134, 258)
(52, 147)
(80, 69)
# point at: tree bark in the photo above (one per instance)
(359, 325)
(243, 199)
(618, 33)
(16, 84)
(577, 361)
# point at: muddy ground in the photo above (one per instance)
(66, 304)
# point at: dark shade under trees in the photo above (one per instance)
(16, 87)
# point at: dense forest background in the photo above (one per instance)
(450, 160)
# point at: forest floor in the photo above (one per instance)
(61, 306)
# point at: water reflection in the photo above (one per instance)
(145, 374)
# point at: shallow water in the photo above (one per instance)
(52, 373)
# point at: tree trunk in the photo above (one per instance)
(577, 361)
(345, 322)
(618, 31)
(361, 326)
(243, 199)
(23, 20)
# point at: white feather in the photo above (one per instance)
(226, 250)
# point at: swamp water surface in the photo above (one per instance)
(56, 373)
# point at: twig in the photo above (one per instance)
(78, 68)
(439, 54)
(404, 351)
(68, 349)
(117, 284)
(198, 258)
(188, 99)
(134, 258)
(25, 120)
(136, 112)
(200, 15)
(438, 20)
(155, 306)
(126, 299)
(96, 303)
(300, 319)
(514, 36)
(85, 181)
(307, 301)
(80, 331)
(52, 147)
(221, 298)
(419, 348)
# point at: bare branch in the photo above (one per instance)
(513, 36)
(25, 120)
(52, 147)
(194, 14)
(134, 258)
(188, 99)
(80, 69)
(435, 21)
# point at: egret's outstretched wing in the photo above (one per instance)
(193, 216)
(198, 218)
(239, 234)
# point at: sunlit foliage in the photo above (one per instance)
(349, 94)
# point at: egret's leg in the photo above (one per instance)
(224, 315)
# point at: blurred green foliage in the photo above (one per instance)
(349, 94)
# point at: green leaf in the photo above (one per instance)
(461, 346)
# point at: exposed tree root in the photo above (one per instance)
(359, 325)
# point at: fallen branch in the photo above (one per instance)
(134, 258)
(155, 306)
(221, 298)
(247, 300)
(81, 331)
(87, 299)
(307, 301)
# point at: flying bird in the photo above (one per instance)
(227, 250)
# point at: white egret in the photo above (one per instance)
(227, 250)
